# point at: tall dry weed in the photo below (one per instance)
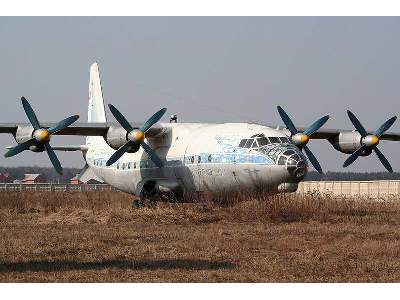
(244, 206)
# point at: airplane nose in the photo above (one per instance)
(296, 164)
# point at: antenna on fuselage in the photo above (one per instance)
(173, 118)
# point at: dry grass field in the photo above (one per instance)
(99, 237)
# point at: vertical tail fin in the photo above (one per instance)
(96, 112)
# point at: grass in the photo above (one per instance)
(244, 237)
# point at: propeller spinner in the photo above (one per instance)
(369, 142)
(135, 136)
(300, 139)
(41, 136)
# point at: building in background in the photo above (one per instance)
(32, 179)
(75, 180)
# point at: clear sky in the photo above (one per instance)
(205, 69)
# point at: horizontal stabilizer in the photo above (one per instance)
(82, 148)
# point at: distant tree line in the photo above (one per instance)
(349, 176)
(48, 174)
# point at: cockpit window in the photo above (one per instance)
(258, 135)
(242, 143)
(274, 140)
(262, 141)
(288, 152)
(249, 143)
(282, 160)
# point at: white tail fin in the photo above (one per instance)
(96, 112)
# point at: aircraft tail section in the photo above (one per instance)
(96, 111)
(87, 174)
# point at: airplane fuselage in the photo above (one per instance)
(202, 157)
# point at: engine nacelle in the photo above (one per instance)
(346, 142)
(25, 133)
(116, 137)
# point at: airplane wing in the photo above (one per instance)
(80, 129)
(326, 134)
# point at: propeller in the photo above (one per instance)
(41, 136)
(369, 142)
(135, 136)
(300, 139)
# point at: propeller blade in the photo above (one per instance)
(153, 156)
(117, 154)
(63, 124)
(19, 148)
(385, 126)
(313, 159)
(383, 159)
(153, 119)
(286, 119)
(354, 156)
(316, 125)
(357, 124)
(53, 158)
(120, 118)
(30, 113)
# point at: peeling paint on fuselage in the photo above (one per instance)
(202, 157)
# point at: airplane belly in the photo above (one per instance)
(223, 177)
(124, 180)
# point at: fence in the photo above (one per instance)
(384, 189)
(370, 189)
(54, 187)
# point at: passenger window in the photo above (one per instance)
(262, 141)
(249, 143)
(198, 159)
(118, 166)
(274, 140)
(242, 143)
(209, 158)
(192, 159)
(134, 165)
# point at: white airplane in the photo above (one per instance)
(154, 158)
